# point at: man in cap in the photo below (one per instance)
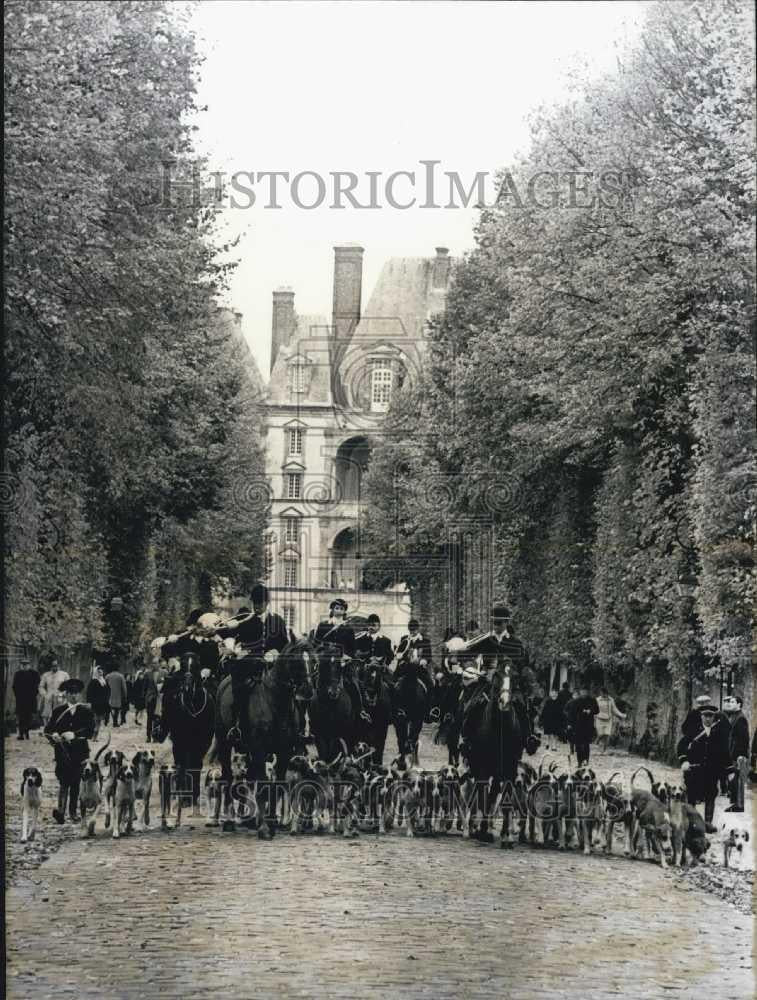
(497, 649)
(71, 726)
(704, 757)
(414, 652)
(371, 644)
(738, 747)
(25, 689)
(261, 636)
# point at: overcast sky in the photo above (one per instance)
(379, 87)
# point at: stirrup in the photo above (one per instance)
(365, 716)
(434, 714)
(234, 735)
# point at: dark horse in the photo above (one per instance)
(409, 710)
(332, 717)
(188, 713)
(271, 725)
(377, 702)
(448, 730)
(494, 742)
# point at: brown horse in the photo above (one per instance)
(271, 725)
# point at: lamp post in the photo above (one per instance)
(686, 584)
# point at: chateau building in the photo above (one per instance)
(331, 383)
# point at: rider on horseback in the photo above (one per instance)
(260, 637)
(414, 655)
(496, 649)
(337, 633)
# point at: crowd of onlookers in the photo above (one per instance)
(109, 692)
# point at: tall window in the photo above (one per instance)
(295, 441)
(290, 572)
(291, 529)
(294, 485)
(297, 376)
(381, 386)
(288, 614)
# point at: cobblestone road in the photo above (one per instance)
(194, 913)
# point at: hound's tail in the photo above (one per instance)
(648, 773)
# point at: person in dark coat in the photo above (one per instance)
(25, 691)
(371, 644)
(414, 653)
(551, 718)
(98, 698)
(582, 711)
(738, 748)
(334, 630)
(138, 692)
(259, 637)
(70, 728)
(704, 758)
(498, 648)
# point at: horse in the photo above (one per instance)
(187, 717)
(271, 726)
(448, 730)
(494, 742)
(410, 702)
(377, 701)
(331, 713)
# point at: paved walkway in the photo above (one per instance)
(196, 913)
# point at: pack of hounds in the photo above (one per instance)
(351, 794)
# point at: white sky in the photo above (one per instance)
(374, 87)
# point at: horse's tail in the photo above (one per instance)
(212, 755)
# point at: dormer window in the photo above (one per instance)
(382, 378)
(298, 375)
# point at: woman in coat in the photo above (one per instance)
(605, 721)
(49, 688)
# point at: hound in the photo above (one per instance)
(90, 796)
(31, 795)
(124, 801)
(143, 763)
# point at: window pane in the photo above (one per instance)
(290, 573)
(291, 533)
(295, 442)
(293, 486)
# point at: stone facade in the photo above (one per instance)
(330, 386)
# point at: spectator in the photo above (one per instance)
(552, 720)
(608, 713)
(97, 696)
(582, 710)
(49, 688)
(153, 684)
(129, 678)
(138, 693)
(118, 695)
(738, 750)
(564, 697)
(704, 758)
(25, 690)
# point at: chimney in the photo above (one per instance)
(282, 324)
(348, 282)
(441, 267)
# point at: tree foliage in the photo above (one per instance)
(126, 396)
(595, 360)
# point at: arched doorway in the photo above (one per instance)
(345, 570)
(352, 460)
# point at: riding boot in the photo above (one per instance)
(357, 700)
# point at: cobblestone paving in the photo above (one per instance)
(191, 913)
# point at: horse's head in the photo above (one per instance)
(298, 657)
(330, 672)
(373, 676)
(501, 687)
